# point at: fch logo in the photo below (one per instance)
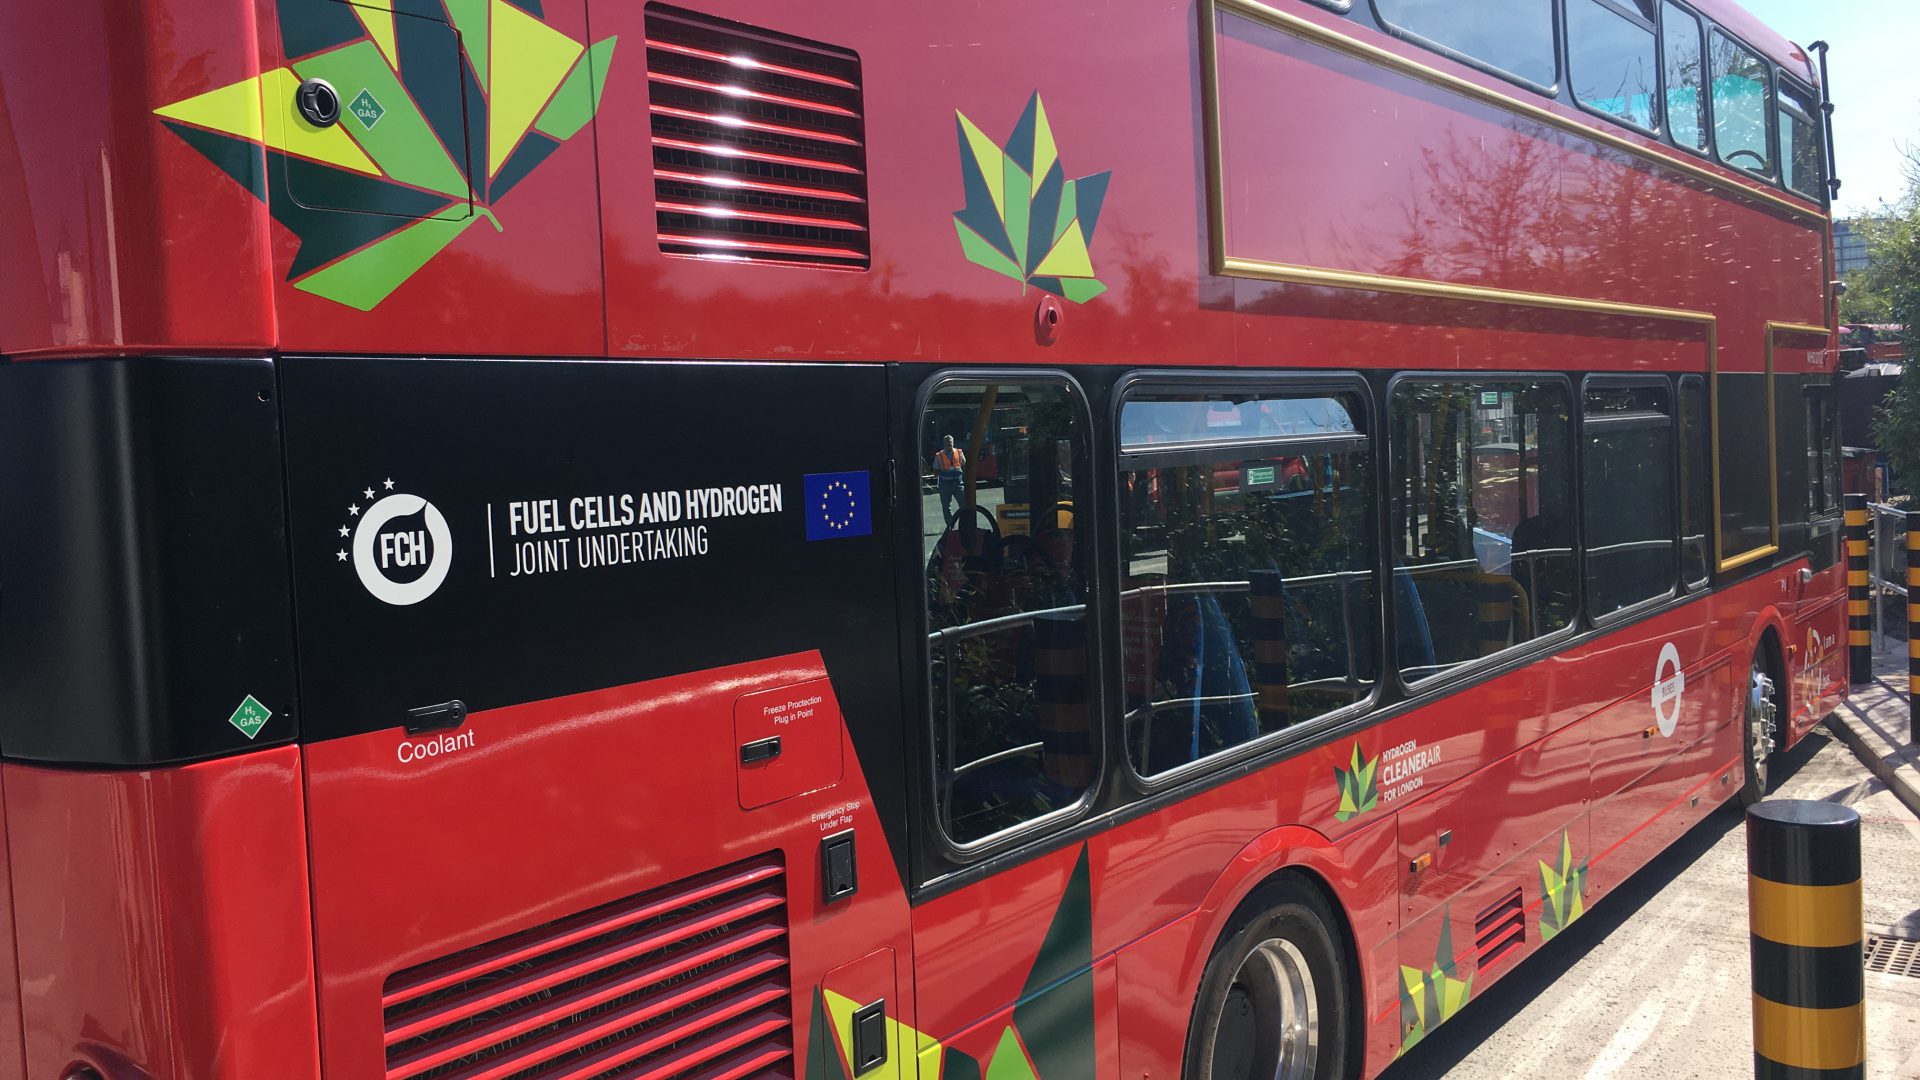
(399, 544)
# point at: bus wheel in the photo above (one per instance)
(1759, 727)
(1273, 1004)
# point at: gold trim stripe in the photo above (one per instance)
(1373, 54)
(1811, 916)
(1294, 274)
(1809, 1038)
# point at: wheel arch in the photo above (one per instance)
(1289, 853)
(1769, 640)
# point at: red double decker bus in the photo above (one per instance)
(478, 599)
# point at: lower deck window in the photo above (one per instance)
(1743, 419)
(1482, 524)
(1627, 501)
(1010, 644)
(1696, 473)
(1248, 595)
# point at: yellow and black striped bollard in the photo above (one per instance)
(1859, 615)
(1266, 592)
(1913, 626)
(1060, 696)
(1494, 594)
(1803, 907)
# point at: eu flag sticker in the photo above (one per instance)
(839, 505)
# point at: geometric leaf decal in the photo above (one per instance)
(1358, 792)
(1430, 998)
(1024, 219)
(429, 139)
(1563, 891)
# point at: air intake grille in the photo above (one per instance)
(689, 980)
(1500, 930)
(759, 144)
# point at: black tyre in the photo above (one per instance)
(1275, 1001)
(1760, 713)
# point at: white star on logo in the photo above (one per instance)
(340, 555)
(354, 510)
(389, 484)
(368, 493)
(343, 530)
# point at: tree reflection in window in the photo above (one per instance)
(1009, 644)
(1482, 530)
(1248, 594)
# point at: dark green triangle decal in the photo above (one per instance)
(435, 73)
(325, 235)
(955, 1065)
(823, 1055)
(236, 157)
(309, 26)
(1068, 946)
(533, 150)
(1055, 1014)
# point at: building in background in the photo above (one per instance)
(1849, 248)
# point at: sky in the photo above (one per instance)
(1876, 99)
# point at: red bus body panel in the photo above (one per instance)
(239, 918)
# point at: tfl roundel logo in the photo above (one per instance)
(399, 545)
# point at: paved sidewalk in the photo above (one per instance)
(1655, 982)
(1876, 724)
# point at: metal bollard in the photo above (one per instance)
(1859, 621)
(1913, 625)
(1803, 908)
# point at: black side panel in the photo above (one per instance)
(144, 592)
(508, 531)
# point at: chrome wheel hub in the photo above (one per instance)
(1760, 723)
(1270, 1028)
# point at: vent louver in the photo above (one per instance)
(1500, 930)
(689, 980)
(759, 144)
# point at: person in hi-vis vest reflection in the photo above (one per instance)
(949, 467)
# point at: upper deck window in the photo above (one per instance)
(1514, 37)
(1686, 81)
(1612, 61)
(1801, 155)
(1740, 105)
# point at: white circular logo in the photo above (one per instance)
(1669, 686)
(401, 562)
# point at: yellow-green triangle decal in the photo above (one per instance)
(1010, 1059)
(905, 1044)
(1044, 151)
(989, 158)
(1068, 258)
(231, 110)
(378, 19)
(530, 59)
